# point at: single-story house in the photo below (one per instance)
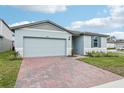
(120, 44)
(46, 38)
(111, 44)
(5, 36)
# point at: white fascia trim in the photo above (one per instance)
(43, 30)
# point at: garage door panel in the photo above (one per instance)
(35, 47)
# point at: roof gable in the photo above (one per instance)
(42, 25)
(5, 24)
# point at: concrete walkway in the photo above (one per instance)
(64, 72)
(114, 84)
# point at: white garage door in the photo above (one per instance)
(36, 47)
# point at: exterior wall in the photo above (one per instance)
(111, 45)
(0, 44)
(78, 44)
(5, 44)
(103, 42)
(87, 45)
(119, 45)
(6, 41)
(6, 32)
(19, 34)
(0, 27)
(46, 26)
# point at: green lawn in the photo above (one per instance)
(8, 69)
(121, 50)
(113, 64)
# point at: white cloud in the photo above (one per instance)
(113, 22)
(44, 8)
(117, 34)
(94, 23)
(116, 11)
(20, 23)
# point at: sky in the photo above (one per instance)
(101, 19)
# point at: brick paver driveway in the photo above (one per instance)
(61, 72)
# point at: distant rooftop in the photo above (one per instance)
(120, 41)
(116, 41)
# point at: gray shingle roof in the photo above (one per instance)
(75, 33)
(38, 22)
(88, 33)
(5, 23)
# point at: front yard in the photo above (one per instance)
(113, 64)
(8, 69)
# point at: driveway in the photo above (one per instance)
(64, 72)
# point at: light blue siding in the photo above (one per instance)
(6, 39)
(88, 48)
(78, 45)
(82, 44)
(103, 42)
(87, 41)
(5, 44)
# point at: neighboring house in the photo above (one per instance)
(120, 44)
(5, 37)
(111, 44)
(84, 42)
(46, 38)
(117, 44)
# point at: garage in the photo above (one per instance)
(42, 39)
(37, 46)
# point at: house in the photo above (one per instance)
(5, 36)
(119, 44)
(46, 38)
(43, 38)
(115, 44)
(84, 42)
(111, 44)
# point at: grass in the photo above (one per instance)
(121, 50)
(111, 48)
(8, 69)
(113, 64)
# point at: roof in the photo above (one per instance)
(120, 41)
(116, 41)
(111, 41)
(38, 22)
(75, 33)
(5, 23)
(88, 33)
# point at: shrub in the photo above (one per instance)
(111, 54)
(102, 54)
(15, 56)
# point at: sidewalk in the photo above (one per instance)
(114, 84)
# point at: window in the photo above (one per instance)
(95, 41)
